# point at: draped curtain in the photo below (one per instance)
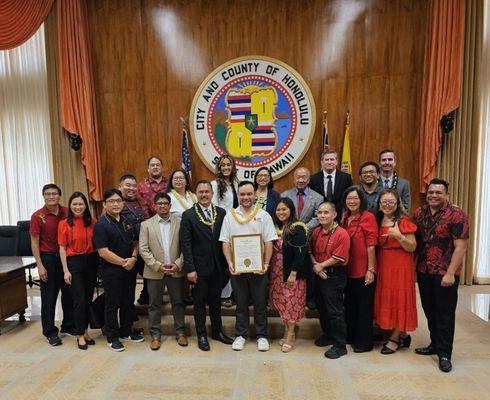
(77, 94)
(442, 78)
(483, 176)
(25, 145)
(19, 20)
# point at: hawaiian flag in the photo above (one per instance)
(239, 105)
(186, 160)
(263, 139)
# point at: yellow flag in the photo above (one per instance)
(346, 165)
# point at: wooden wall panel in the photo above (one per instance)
(151, 55)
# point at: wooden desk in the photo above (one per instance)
(13, 292)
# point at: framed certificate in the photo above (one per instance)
(247, 251)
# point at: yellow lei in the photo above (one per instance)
(201, 218)
(248, 219)
(182, 202)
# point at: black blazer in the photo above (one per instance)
(342, 182)
(295, 252)
(200, 245)
(272, 200)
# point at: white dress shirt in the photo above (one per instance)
(227, 201)
(165, 231)
(325, 180)
(262, 223)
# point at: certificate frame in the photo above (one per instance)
(247, 253)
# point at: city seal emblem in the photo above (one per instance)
(256, 109)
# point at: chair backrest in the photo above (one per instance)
(8, 240)
(24, 239)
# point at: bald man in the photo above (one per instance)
(306, 202)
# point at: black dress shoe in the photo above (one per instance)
(405, 341)
(386, 350)
(323, 341)
(426, 351)
(445, 364)
(221, 337)
(82, 346)
(358, 349)
(202, 342)
(90, 341)
(311, 304)
(335, 352)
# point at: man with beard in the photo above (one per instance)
(370, 186)
(150, 186)
(204, 262)
(389, 179)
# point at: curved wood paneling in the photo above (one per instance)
(150, 57)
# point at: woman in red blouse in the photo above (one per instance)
(395, 301)
(80, 261)
(359, 292)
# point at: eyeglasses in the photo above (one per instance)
(369, 172)
(352, 199)
(162, 203)
(263, 176)
(114, 201)
(51, 194)
(388, 202)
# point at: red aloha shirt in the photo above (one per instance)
(435, 237)
(147, 189)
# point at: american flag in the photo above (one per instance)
(186, 159)
(326, 140)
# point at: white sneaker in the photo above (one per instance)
(238, 343)
(262, 344)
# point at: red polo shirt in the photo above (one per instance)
(44, 224)
(78, 239)
(325, 245)
(363, 232)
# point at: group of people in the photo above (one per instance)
(350, 251)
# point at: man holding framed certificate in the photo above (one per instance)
(247, 235)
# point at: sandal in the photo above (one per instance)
(288, 345)
(386, 350)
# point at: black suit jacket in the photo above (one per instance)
(342, 182)
(200, 244)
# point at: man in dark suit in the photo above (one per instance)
(389, 179)
(204, 262)
(331, 182)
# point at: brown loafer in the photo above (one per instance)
(181, 339)
(155, 343)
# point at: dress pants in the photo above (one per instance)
(83, 269)
(310, 284)
(330, 303)
(248, 286)
(49, 296)
(439, 304)
(175, 287)
(134, 272)
(117, 289)
(359, 310)
(207, 290)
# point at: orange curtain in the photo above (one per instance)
(20, 19)
(442, 78)
(77, 94)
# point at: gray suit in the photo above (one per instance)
(311, 203)
(403, 189)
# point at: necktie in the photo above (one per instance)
(300, 203)
(329, 188)
(208, 214)
(387, 184)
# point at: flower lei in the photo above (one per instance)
(181, 202)
(395, 180)
(42, 218)
(248, 219)
(202, 219)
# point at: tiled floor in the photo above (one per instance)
(30, 369)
